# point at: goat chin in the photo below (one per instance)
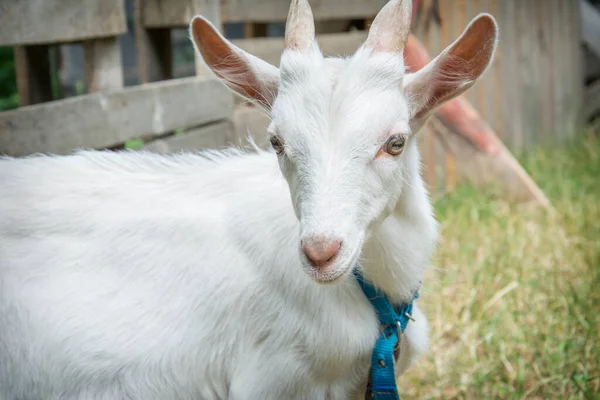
(136, 275)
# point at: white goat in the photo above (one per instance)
(192, 276)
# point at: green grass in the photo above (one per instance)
(514, 298)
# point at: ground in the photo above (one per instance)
(514, 298)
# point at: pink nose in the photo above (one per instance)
(321, 252)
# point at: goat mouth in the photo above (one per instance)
(327, 278)
(332, 275)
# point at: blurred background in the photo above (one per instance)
(514, 295)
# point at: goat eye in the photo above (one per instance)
(277, 144)
(395, 145)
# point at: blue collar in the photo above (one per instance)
(394, 321)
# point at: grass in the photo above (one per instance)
(514, 300)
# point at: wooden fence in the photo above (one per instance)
(532, 94)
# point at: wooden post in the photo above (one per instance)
(153, 22)
(154, 49)
(590, 26)
(32, 65)
(103, 69)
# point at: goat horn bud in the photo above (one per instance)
(390, 29)
(300, 26)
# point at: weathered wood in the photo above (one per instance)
(459, 111)
(154, 49)
(22, 72)
(591, 65)
(255, 29)
(474, 144)
(590, 26)
(50, 21)
(105, 119)
(155, 16)
(32, 65)
(103, 69)
(592, 101)
(210, 9)
(497, 102)
(331, 26)
(531, 93)
(544, 40)
(512, 116)
(576, 71)
(499, 172)
(522, 79)
(447, 171)
(211, 136)
(334, 44)
(178, 13)
(530, 83)
(250, 124)
(157, 48)
(277, 10)
(425, 138)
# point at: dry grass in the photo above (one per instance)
(514, 302)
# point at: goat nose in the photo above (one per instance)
(321, 252)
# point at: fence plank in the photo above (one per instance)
(208, 136)
(511, 118)
(107, 119)
(32, 65)
(545, 72)
(442, 37)
(250, 122)
(559, 112)
(255, 30)
(332, 44)
(499, 172)
(50, 21)
(277, 10)
(103, 68)
(576, 70)
(176, 13)
(153, 21)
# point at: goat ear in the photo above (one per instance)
(247, 75)
(454, 71)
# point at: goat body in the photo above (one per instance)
(228, 275)
(146, 276)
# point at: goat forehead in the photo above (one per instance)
(332, 98)
(334, 79)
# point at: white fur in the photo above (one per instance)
(134, 275)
